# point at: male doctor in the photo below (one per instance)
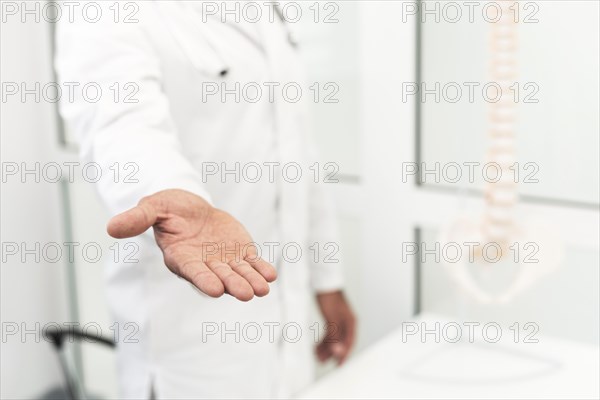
(228, 323)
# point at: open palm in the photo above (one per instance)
(200, 243)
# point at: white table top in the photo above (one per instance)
(552, 368)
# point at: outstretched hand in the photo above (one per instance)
(200, 243)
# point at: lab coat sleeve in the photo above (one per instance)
(326, 272)
(133, 140)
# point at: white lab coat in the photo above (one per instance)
(168, 133)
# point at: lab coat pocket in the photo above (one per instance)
(193, 38)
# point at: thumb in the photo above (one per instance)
(338, 350)
(132, 222)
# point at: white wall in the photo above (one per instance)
(559, 133)
(30, 292)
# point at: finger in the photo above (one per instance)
(348, 338)
(350, 333)
(256, 280)
(337, 342)
(234, 284)
(333, 341)
(132, 222)
(323, 352)
(199, 275)
(264, 268)
(339, 351)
